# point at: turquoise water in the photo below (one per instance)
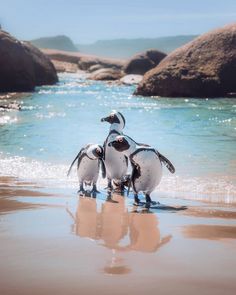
(197, 135)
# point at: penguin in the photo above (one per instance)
(146, 165)
(115, 162)
(89, 160)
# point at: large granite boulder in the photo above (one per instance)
(205, 67)
(23, 66)
(143, 62)
(44, 70)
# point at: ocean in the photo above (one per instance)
(39, 142)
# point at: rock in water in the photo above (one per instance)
(143, 62)
(131, 79)
(205, 67)
(23, 66)
(106, 74)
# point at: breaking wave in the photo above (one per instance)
(210, 189)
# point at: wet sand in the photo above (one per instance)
(57, 243)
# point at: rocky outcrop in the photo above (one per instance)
(205, 67)
(61, 55)
(143, 62)
(23, 66)
(106, 74)
(87, 62)
(65, 67)
(84, 62)
(60, 42)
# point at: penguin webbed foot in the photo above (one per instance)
(81, 191)
(119, 188)
(109, 187)
(149, 202)
(136, 201)
(126, 180)
(109, 198)
(147, 205)
(94, 190)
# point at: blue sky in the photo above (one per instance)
(86, 21)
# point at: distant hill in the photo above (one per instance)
(58, 42)
(124, 48)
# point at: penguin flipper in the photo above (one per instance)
(138, 143)
(126, 161)
(103, 168)
(104, 149)
(166, 162)
(135, 174)
(77, 157)
(142, 144)
(130, 181)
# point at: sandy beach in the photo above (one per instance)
(64, 244)
(135, 96)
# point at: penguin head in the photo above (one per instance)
(95, 151)
(121, 143)
(115, 118)
(98, 151)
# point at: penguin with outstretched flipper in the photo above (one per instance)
(89, 160)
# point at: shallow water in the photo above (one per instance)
(197, 135)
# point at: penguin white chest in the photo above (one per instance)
(88, 170)
(115, 162)
(150, 171)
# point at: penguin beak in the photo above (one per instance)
(98, 154)
(111, 143)
(106, 119)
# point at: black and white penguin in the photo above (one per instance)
(115, 162)
(146, 165)
(89, 160)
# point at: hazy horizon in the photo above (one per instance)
(117, 39)
(88, 21)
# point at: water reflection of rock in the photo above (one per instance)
(114, 225)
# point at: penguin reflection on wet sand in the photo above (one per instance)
(146, 165)
(109, 226)
(89, 160)
(111, 223)
(86, 219)
(115, 162)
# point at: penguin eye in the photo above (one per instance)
(120, 139)
(97, 150)
(112, 115)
